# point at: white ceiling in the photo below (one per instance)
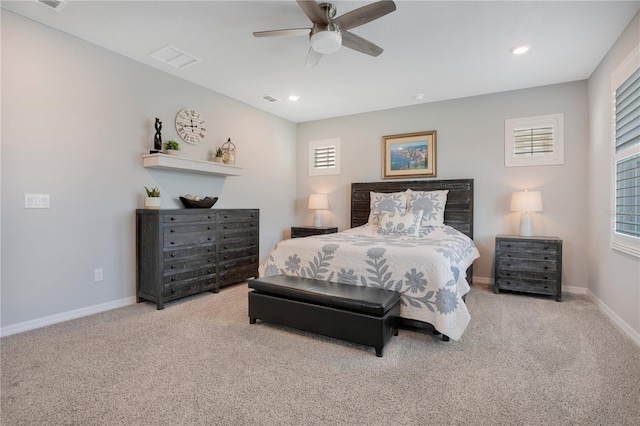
(442, 49)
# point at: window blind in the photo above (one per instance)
(533, 141)
(628, 196)
(324, 157)
(628, 112)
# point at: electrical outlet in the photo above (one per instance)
(98, 275)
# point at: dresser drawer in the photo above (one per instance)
(226, 216)
(238, 274)
(178, 252)
(528, 285)
(175, 240)
(176, 290)
(185, 218)
(518, 264)
(238, 253)
(188, 263)
(191, 228)
(177, 276)
(237, 243)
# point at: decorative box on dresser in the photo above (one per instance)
(529, 264)
(183, 252)
(308, 231)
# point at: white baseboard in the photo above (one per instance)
(623, 326)
(65, 316)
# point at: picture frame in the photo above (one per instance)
(409, 155)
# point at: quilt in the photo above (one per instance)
(428, 270)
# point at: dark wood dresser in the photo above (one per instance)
(187, 251)
(308, 231)
(529, 264)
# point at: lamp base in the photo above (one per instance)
(526, 225)
(317, 219)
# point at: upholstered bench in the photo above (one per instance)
(364, 315)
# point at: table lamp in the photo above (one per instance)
(526, 202)
(318, 202)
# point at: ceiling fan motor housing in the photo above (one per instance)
(326, 39)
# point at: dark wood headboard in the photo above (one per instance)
(458, 212)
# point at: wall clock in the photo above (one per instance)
(190, 126)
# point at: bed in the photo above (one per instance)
(428, 261)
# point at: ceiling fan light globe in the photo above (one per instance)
(326, 41)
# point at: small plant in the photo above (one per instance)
(172, 145)
(154, 192)
(219, 152)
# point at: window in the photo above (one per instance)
(534, 141)
(625, 82)
(324, 157)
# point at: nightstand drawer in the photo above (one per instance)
(519, 264)
(528, 285)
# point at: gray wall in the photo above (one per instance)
(470, 144)
(613, 277)
(76, 120)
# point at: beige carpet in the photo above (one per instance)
(523, 360)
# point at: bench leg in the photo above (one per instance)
(379, 352)
(252, 320)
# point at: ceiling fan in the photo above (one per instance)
(329, 33)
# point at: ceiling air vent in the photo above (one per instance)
(174, 57)
(56, 5)
(270, 98)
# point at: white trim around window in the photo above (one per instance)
(625, 148)
(534, 141)
(324, 157)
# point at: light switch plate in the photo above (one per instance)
(36, 201)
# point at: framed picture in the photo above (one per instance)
(409, 155)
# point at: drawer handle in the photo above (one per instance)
(226, 217)
(173, 255)
(225, 237)
(209, 281)
(508, 245)
(546, 267)
(208, 227)
(208, 217)
(508, 255)
(225, 227)
(509, 264)
(253, 224)
(173, 242)
(253, 252)
(209, 260)
(546, 247)
(173, 267)
(209, 271)
(209, 249)
(508, 274)
(172, 230)
(226, 247)
(173, 278)
(226, 257)
(208, 238)
(226, 266)
(253, 243)
(253, 234)
(173, 218)
(546, 286)
(546, 277)
(173, 291)
(546, 258)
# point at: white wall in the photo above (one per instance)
(470, 144)
(75, 121)
(613, 277)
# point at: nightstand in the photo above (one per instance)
(307, 231)
(529, 264)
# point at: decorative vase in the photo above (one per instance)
(173, 152)
(217, 159)
(152, 203)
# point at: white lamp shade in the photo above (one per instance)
(318, 202)
(526, 201)
(326, 41)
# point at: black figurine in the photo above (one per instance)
(157, 139)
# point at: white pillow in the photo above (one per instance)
(406, 224)
(431, 203)
(395, 202)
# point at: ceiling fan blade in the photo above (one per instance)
(312, 58)
(313, 11)
(359, 44)
(292, 32)
(365, 14)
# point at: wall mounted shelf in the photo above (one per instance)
(172, 162)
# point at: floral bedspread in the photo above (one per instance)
(428, 270)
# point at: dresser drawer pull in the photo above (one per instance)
(209, 271)
(172, 218)
(253, 252)
(173, 242)
(209, 281)
(226, 247)
(209, 217)
(546, 258)
(173, 291)
(508, 245)
(209, 260)
(226, 266)
(546, 286)
(173, 255)
(253, 224)
(546, 247)
(172, 230)
(226, 257)
(546, 267)
(208, 227)
(209, 249)
(208, 238)
(509, 264)
(546, 277)
(173, 267)
(508, 274)
(253, 234)
(225, 237)
(225, 227)
(508, 255)
(226, 217)
(253, 243)
(173, 278)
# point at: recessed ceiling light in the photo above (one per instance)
(520, 50)
(294, 98)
